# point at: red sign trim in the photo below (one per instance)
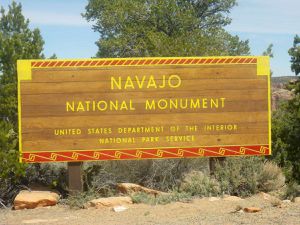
(220, 151)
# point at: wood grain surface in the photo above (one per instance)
(44, 114)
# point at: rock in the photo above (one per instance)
(286, 201)
(119, 208)
(272, 199)
(129, 188)
(297, 200)
(212, 199)
(252, 209)
(232, 198)
(33, 199)
(279, 95)
(109, 202)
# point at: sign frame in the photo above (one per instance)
(25, 67)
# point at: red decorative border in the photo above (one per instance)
(71, 156)
(143, 61)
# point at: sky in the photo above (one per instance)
(67, 34)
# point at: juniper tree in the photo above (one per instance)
(17, 41)
(163, 28)
(286, 124)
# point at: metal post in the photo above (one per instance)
(75, 182)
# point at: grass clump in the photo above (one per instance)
(79, 200)
(163, 199)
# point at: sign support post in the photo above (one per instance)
(75, 181)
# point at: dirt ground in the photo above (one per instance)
(199, 211)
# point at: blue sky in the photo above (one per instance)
(68, 35)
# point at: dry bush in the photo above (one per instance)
(49, 175)
(244, 176)
(271, 177)
(197, 183)
(162, 175)
(239, 175)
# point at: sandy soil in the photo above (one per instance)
(199, 211)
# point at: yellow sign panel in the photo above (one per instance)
(136, 108)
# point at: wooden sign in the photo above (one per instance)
(140, 108)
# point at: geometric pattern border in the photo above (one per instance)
(141, 62)
(135, 154)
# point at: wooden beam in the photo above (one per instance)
(75, 181)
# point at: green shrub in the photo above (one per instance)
(292, 190)
(271, 177)
(197, 183)
(11, 170)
